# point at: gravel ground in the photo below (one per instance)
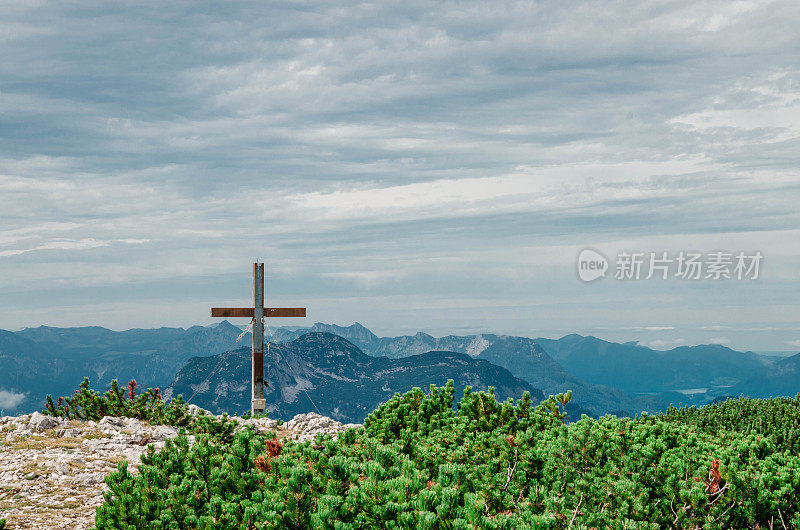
(52, 471)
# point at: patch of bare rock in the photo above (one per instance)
(52, 471)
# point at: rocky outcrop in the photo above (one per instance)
(52, 471)
(39, 422)
(307, 426)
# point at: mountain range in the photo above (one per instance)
(782, 380)
(38, 361)
(605, 377)
(522, 356)
(637, 369)
(326, 373)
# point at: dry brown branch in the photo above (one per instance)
(575, 513)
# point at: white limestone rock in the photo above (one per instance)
(307, 426)
(112, 422)
(259, 425)
(194, 410)
(39, 422)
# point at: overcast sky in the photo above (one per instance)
(432, 166)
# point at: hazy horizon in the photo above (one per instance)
(440, 334)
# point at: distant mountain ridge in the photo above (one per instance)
(783, 380)
(393, 347)
(47, 360)
(606, 377)
(526, 359)
(622, 378)
(637, 369)
(522, 356)
(22, 364)
(326, 373)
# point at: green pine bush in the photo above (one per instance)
(419, 462)
(778, 418)
(89, 405)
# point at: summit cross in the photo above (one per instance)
(257, 313)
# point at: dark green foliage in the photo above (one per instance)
(221, 430)
(557, 406)
(487, 464)
(777, 418)
(249, 414)
(87, 404)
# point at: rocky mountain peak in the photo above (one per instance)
(355, 332)
(424, 336)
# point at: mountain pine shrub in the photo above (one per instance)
(89, 405)
(418, 462)
(777, 418)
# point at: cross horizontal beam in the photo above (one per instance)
(235, 312)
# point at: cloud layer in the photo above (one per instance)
(10, 400)
(434, 166)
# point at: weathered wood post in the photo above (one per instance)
(258, 402)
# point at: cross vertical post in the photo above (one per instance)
(258, 403)
(257, 313)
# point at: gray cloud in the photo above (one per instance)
(10, 400)
(445, 155)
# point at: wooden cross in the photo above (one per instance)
(257, 313)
